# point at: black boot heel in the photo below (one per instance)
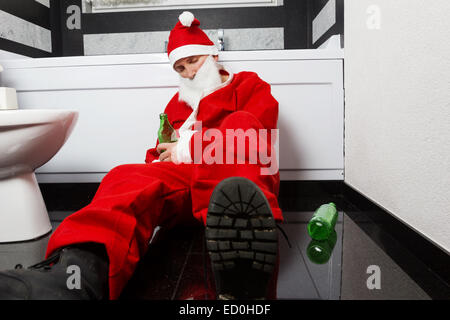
(242, 239)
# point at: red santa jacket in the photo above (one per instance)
(245, 93)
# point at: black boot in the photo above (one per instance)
(77, 272)
(242, 239)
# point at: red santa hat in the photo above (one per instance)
(187, 39)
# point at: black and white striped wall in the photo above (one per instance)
(41, 28)
(292, 24)
(25, 28)
(245, 28)
(325, 19)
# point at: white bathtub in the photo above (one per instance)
(119, 98)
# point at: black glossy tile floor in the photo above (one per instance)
(370, 259)
(174, 267)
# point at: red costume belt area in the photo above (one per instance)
(133, 199)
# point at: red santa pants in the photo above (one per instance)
(133, 199)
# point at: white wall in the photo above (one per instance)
(397, 111)
(10, 55)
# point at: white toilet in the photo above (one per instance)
(28, 139)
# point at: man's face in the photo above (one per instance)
(188, 67)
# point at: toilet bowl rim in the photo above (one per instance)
(34, 116)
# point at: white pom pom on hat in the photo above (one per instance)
(186, 18)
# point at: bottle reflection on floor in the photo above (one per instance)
(320, 251)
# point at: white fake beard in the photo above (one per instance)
(206, 78)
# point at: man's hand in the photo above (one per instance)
(166, 151)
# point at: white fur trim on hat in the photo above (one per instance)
(191, 50)
(186, 18)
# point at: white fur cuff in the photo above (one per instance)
(182, 149)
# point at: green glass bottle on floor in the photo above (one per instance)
(319, 251)
(323, 221)
(166, 133)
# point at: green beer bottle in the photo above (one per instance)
(166, 133)
(323, 221)
(319, 251)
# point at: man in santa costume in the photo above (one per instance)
(196, 178)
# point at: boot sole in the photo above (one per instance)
(241, 239)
